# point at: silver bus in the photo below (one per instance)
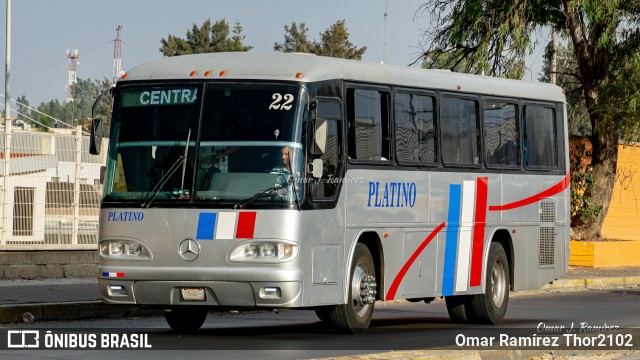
(268, 180)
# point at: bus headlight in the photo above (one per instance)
(124, 249)
(263, 251)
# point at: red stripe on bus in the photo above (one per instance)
(396, 282)
(562, 185)
(246, 225)
(478, 231)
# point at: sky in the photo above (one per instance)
(43, 30)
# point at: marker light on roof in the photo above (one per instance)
(299, 75)
(193, 73)
(125, 76)
(458, 87)
(207, 73)
(222, 73)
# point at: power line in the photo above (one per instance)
(41, 113)
(62, 60)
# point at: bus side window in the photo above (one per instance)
(540, 137)
(368, 132)
(329, 116)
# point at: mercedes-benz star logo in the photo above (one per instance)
(189, 249)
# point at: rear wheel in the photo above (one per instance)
(490, 307)
(355, 315)
(186, 319)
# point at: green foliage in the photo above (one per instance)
(23, 108)
(496, 35)
(334, 42)
(78, 111)
(568, 78)
(206, 39)
(582, 209)
(295, 39)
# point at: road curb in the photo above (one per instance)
(19, 313)
(594, 283)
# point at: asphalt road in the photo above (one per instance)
(397, 326)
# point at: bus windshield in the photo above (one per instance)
(214, 142)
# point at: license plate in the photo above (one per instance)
(192, 294)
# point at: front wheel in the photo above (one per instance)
(355, 315)
(186, 319)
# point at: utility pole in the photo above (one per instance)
(6, 218)
(554, 58)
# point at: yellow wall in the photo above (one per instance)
(623, 219)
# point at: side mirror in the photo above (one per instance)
(95, 140)
(317, 168)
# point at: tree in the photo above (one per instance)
(78, 111)
(295, 39)
(605, 35)
(334, 42)
(23, 108)
(568, 78)
(205, 39)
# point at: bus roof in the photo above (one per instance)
(284, 66)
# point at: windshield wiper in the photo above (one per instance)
(156, 189)
(260, 195)
(182, 160)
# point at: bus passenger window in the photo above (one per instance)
(368, 125)
(501, 134)
(415, 136)
(540, 137)
(459, 131)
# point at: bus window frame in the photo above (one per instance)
(436, 107)
(519, 123)
(479, 130)
(390, 127)
(524, 103)
(312, 116)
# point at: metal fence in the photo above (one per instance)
(50, 191)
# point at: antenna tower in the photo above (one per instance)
(73, 56)
(117, 55)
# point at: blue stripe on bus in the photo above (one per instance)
(206, 226)
(451, 246)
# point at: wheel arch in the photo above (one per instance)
(371, 240)
(503, 237)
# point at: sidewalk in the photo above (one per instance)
(79, 298)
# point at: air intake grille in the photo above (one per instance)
(546, 246)
(547, 212)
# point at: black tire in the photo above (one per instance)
(186, 319)
(324, 313)
(457, 307)
(355, 316)
(490, 307)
